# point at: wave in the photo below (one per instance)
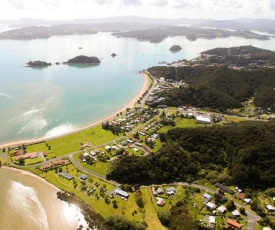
(60, 130)
(35, 124)
(7, 96)
(25, 203)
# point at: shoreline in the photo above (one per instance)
(24, 172)
(130, 104)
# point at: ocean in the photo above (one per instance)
(46, 102)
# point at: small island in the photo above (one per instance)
(175, 48)
(113, 55)
(83, 60)
(38, 64)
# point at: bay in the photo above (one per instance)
(45, 102)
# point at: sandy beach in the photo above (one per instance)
(32, 175)
(38, 198)
(130, 104)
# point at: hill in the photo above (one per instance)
(218, 87)
(246, 150)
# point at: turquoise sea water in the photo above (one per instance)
(51, 101)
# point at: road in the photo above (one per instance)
(252, 218)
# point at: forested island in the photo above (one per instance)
(38, 64)
(150, 32)
(175, 48)
(158, 34)
(83, 60)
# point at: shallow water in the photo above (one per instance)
(44, 102)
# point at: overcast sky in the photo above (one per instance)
(72, 9)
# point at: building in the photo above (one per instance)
(160, 191)
(270, 208)
(236, 213)
(160, 202)
(207, 196)
(210, 206)
(203, 119)
(221, 209)
(234, 224)
(212, 219)
(224, 188)
(121, 193)
(83, 177)
(171, 191)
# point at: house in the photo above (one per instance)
(221, 209)
(270, 208)
(92, 153)
(160, 202)
(234, 224)
(212, 219)
(171, 191)
(121, 193)
(236, 213)
(107, 147)
(224, 188)
(83, 177)
(241, 196)
(66, 176)
(210, 206)
(60, 162)
(82, 158)
(247, 200)
(207, 196)
(203, 119)
(47, 166)
(160, 191)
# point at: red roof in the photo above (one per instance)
(60, 162)
(234, 223)
(241, 196)
(46, 166)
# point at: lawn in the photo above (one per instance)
(3, 161)
(151, 216)
(235, 119)
(71, 143)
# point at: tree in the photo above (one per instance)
(230, 206)
(242, 210)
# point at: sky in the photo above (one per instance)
(76, 9)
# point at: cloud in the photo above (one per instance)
(155, 2)
(71, 9)
(102, 2)
(132, 2)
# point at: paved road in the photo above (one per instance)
(252, 218)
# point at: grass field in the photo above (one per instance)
(3, 161)
(71, 143)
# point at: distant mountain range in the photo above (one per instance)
(262, 25)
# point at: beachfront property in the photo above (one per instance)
(66, 176)
(27, 156)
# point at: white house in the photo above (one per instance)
(210, 206)
(221, 209)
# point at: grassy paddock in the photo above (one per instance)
(71, 143)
